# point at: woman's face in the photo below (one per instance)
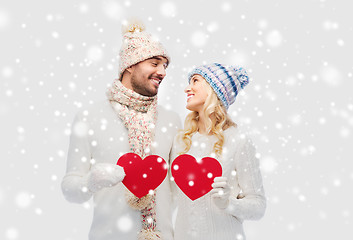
(196, 93)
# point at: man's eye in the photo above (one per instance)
(154, 64)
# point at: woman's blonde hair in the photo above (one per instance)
(217, 120)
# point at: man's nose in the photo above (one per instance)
(161, 71)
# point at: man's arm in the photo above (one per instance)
(74, 183)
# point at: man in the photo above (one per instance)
(128, 121)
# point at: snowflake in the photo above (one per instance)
(125, 223)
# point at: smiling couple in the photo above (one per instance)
(131, 121)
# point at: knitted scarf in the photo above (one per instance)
(139, 115)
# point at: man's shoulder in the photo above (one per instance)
(167, 115)
(164, 111)
(99, 108)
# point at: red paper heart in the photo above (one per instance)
(142, 175)
(194, 177)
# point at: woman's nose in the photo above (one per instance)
(187, 89)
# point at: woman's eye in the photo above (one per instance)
(154, 64)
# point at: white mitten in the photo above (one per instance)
(104, 175)
(221, 192)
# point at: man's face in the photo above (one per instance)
(146, 76)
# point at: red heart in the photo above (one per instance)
(195, 177)
(142, 175)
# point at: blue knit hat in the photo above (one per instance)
(226, 81)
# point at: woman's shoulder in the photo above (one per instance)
(232, 132)
(235, 135)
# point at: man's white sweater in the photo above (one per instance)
(99, 136)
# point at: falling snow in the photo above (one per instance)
(125, 223)
(168, 9)
(274, 38)
(59, 58)
(199, 39)
(95, 53)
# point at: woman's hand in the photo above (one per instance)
(220, 192)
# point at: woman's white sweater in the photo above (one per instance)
(202, 219)
(99, 136)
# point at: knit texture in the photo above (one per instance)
(202, 219)
(137, 46)
(225, 80)
(139, 115)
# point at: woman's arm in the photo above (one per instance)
(251, 204)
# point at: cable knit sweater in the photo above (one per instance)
(99, 136)
(202, 219)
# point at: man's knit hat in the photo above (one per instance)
(226, 81)
(138, 46)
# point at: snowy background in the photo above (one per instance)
(59, 56)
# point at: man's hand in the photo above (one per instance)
(104, 175)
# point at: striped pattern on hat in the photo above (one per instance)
(225, 80)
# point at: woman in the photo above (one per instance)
(209, 131)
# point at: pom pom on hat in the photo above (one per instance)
(133, 25)
(138, 45)
(225, 80)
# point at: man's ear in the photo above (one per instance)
(130, 69)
